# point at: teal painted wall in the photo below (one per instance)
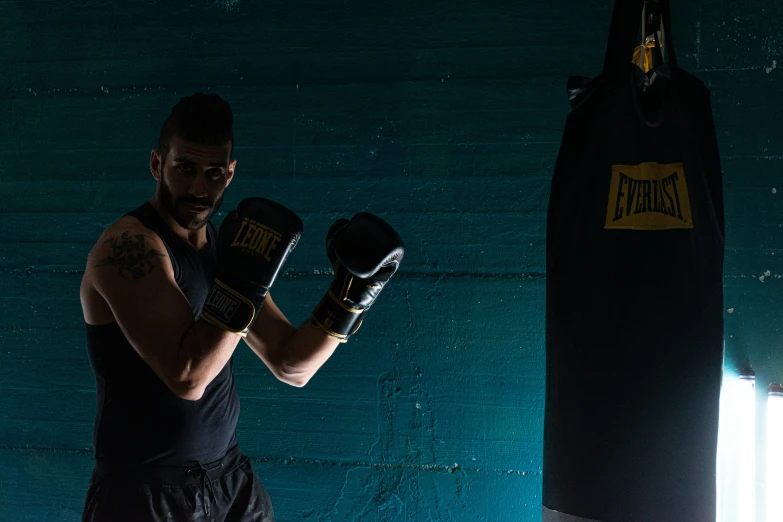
(444, 118)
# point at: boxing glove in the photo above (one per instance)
(365, 252)
(252, 244)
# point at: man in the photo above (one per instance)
(167, 298)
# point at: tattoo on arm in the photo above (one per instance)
(130, 255)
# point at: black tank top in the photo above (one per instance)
(139, 420)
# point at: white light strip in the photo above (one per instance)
(727, 453)
(774, 460)
(746, 448)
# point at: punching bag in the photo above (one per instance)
(634, 291)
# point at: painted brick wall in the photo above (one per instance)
(444, 118)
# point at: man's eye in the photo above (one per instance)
(215, 173)
(184, 167)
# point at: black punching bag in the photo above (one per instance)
(634, 291)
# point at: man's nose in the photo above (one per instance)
(199, 186)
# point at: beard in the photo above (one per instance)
(182, 217)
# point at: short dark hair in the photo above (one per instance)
(205, 119)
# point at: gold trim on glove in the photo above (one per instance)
(242, 333)
(334, 335)
(344, 306)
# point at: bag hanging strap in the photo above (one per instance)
(655, 42)
(625, 28)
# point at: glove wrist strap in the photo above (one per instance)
(228, 309)
(336, 318)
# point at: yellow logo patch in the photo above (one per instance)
(258, 239)
(649, 196)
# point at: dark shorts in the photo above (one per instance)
(223, 491)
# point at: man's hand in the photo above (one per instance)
(253, 243)
(365, 253)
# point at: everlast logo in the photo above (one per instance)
(649, 196)
(221, 304)
(257, 238)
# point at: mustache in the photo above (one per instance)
(195, 201)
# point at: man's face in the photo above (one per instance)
(192, 179)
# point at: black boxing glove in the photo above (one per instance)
(365, 252)
(252, 244)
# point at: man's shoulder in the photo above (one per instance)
(127, 240)
(127, 228)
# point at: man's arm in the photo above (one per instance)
(293, 355)
(131, 272)
(365, 252)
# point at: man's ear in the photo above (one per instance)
(155, 164)
(231, 166)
